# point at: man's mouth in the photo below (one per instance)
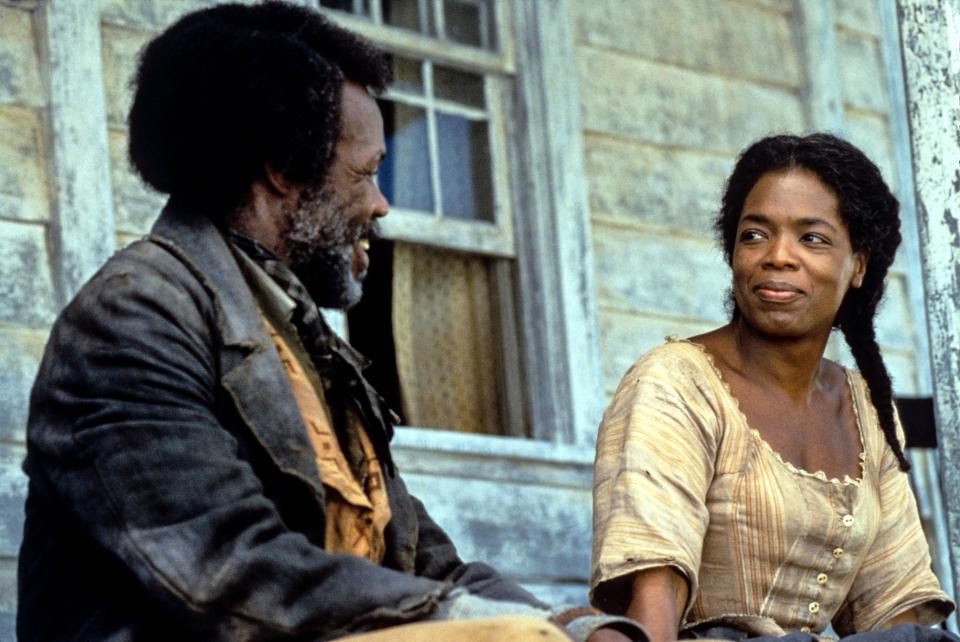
(361, 258)
(364, 236)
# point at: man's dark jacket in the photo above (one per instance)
(173, 490)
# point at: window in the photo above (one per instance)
(489, 272)
(437, 317)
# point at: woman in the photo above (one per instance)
(707, 521)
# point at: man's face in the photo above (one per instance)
(326, 233)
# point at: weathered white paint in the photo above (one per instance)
(925, 476)
(461, 56)
(930, 34)
(453, 234)
(520, 505)
(818, 39)
(562, 456)
(903, 168)
(925, 479)
(82, 226)
(552, 230)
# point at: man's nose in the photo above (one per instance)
(381, 206)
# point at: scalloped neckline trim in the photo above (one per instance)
(797, 470)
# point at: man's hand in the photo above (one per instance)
(607, 635)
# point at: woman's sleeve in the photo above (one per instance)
(896, 574)
(654, 464)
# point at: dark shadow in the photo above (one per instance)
(370, 325)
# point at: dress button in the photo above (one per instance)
(838, 552)
(822, 578)
(847, 520)
(814, 607)
(804, 629)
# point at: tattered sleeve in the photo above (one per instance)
(654, 464)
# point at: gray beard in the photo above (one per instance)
(319, 242)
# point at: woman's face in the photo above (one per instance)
(792, 258)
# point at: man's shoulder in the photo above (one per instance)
(141, 262)
(143, 277)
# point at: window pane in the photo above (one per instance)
(465, 168)
(404, 176)
(468, 22)
(407, 14)
(458, 86)
(407, 75)
(359, 7)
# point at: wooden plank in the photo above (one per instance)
(930, 36)
(824, 94)
(903, 169)
(8, 598)
(536, 532)
(554, 249)
(83, 226)
(406, 42)
(925, 480)
(13, 492)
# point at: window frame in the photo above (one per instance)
(493, 239)
(542, 204)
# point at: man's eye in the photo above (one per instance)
(751, 235)
(814, 239)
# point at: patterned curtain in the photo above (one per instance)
(447, 357)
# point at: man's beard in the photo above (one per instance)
(318, 239)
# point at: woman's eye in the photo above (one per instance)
(815, 239)
(751, 235)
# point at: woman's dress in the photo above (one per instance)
(681, 480)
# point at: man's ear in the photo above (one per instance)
(276, 181)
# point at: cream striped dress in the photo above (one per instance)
(681, 480)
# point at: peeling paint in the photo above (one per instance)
(932, 68)
(953, 225)
(7, 80)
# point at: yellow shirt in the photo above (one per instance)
(681, 480)
(356, 502)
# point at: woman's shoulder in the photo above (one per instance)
(678, 364)
(673, 354)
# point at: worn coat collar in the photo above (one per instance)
(250, 369)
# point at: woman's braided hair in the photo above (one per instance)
(871, 214)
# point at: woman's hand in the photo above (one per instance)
(657, 601)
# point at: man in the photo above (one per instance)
(206, 460)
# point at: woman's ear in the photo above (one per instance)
(860, 269)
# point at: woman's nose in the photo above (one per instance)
(780, 253)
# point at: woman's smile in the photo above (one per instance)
(777, 291)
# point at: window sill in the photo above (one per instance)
(506, 459)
